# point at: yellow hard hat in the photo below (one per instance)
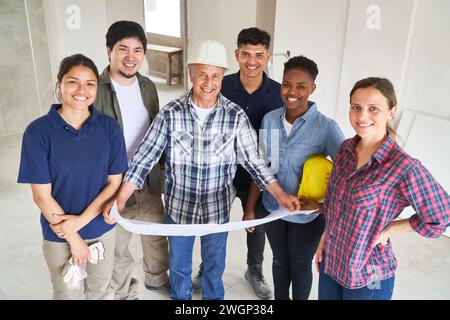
(316, 173)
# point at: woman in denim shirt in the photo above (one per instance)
(289, 136)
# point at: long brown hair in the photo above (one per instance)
(387, 90)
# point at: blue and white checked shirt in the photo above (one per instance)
(201, 161)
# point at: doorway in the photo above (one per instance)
(166, 34)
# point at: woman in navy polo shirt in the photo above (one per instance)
(74, 158)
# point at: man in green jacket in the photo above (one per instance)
(132, 99)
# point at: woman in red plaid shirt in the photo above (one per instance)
(372, 181)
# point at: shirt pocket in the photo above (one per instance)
(366, 196)
(224, 146)
(300, 152)
(181, 144)
(364, 204)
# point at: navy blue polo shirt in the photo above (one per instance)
(255, 105)
(76, 163)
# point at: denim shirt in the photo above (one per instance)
(312, 133)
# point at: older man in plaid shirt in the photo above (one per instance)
(204, 136)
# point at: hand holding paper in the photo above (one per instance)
(150, 228)
(107, 213)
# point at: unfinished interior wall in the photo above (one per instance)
(25, 86)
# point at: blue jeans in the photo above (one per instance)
(213, 251)
(329, 289)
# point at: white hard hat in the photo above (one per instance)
(208, 52)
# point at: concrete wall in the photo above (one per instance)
(36, 35)
(124, 10)
(265, 16)
(25, 82)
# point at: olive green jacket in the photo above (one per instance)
(106, 102)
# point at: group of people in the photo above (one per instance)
(107, 140)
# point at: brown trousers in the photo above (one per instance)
(97, 284)
(148, 207)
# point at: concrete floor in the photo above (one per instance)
(422, 273)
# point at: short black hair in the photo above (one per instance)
(253, 36)
(76, 60)
(125, 29)
(302, 62)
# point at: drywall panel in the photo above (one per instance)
(317, 30)
(426, 87)
(375, 45)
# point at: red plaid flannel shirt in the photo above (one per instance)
(360, 204)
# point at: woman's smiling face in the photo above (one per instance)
(296, 87)
(78, 88)
(369, 113)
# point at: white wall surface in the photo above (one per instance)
(89, 39)
(315, 29)
(124, 10)
(220, 20)
(373, 52)
(265, 16)
(426, 79)
(410, 47)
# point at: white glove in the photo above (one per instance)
(97, 252)
(74, 275)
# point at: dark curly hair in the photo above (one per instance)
(253, 36)
(302, 62)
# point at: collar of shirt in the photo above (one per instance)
(115, 84)
(237, 84)
(187, 102)
(105, 78)
(380, 155)
(310, 114)
(58, 122)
